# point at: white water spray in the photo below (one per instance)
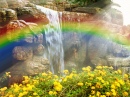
(125, 9)
(54, 39)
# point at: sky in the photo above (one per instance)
(125, 9)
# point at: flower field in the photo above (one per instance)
(103, 81)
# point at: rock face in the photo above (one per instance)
(20, 10)
(31, 14)
(97, 50)
(3, 4)
(19, 25)
(15, 3)
(107, 14)
(6, 15)
(28, 63)
(27, 52)
(22, 53)
(89, 10)
(28, 31)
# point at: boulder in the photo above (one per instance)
(31, 14)
(38, 55)
(24, 68)
(22, 53)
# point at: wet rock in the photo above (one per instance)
(70, 65)
(119, 62)
(31, 14)
(22, 53)
(15, 3)
(6, 15)
(40, 2)
(108, 14)
(76, 17)
(98, 51)
(3, 4)
(115, 15)
(30, 32)
(24, 68)
(28, 63)
(38, 55)
(89, 10)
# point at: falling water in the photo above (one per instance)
(54, 40)
(124, 8)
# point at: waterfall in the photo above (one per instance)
(54, 40)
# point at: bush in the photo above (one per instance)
(100, 82)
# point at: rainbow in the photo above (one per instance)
(96, 30)
(85, 28)
(7, 42)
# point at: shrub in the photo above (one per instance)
(100, 82)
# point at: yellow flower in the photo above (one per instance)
(21, 94)
(88, 68)
(111, 67)
(125, 94)
(11, 96)
(117, 84)
(98, 85)
(50, 92)
(8, 74)
(24, 93)
(102, 96)
(99, 78)
(57, 86)
(16, 89)
(91, 75)
(34, 93)
(66, 72)
(92, 87)
(125, 76)
(54, 92)
(107, 93)
(121, 82)
(65, 79)
(113, 86)
(102, 81)
(105, 66)
(98, 94)
(3, 89)
(55, 76)
(92, 96)
(80, 84)
(44, 74)
(116, 72)
(93, 92)
(99, 67)
(119, 71)
(50, 73)
(113, 92)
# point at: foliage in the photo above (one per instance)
(4, 78)
(100, 82)
(89, 2)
